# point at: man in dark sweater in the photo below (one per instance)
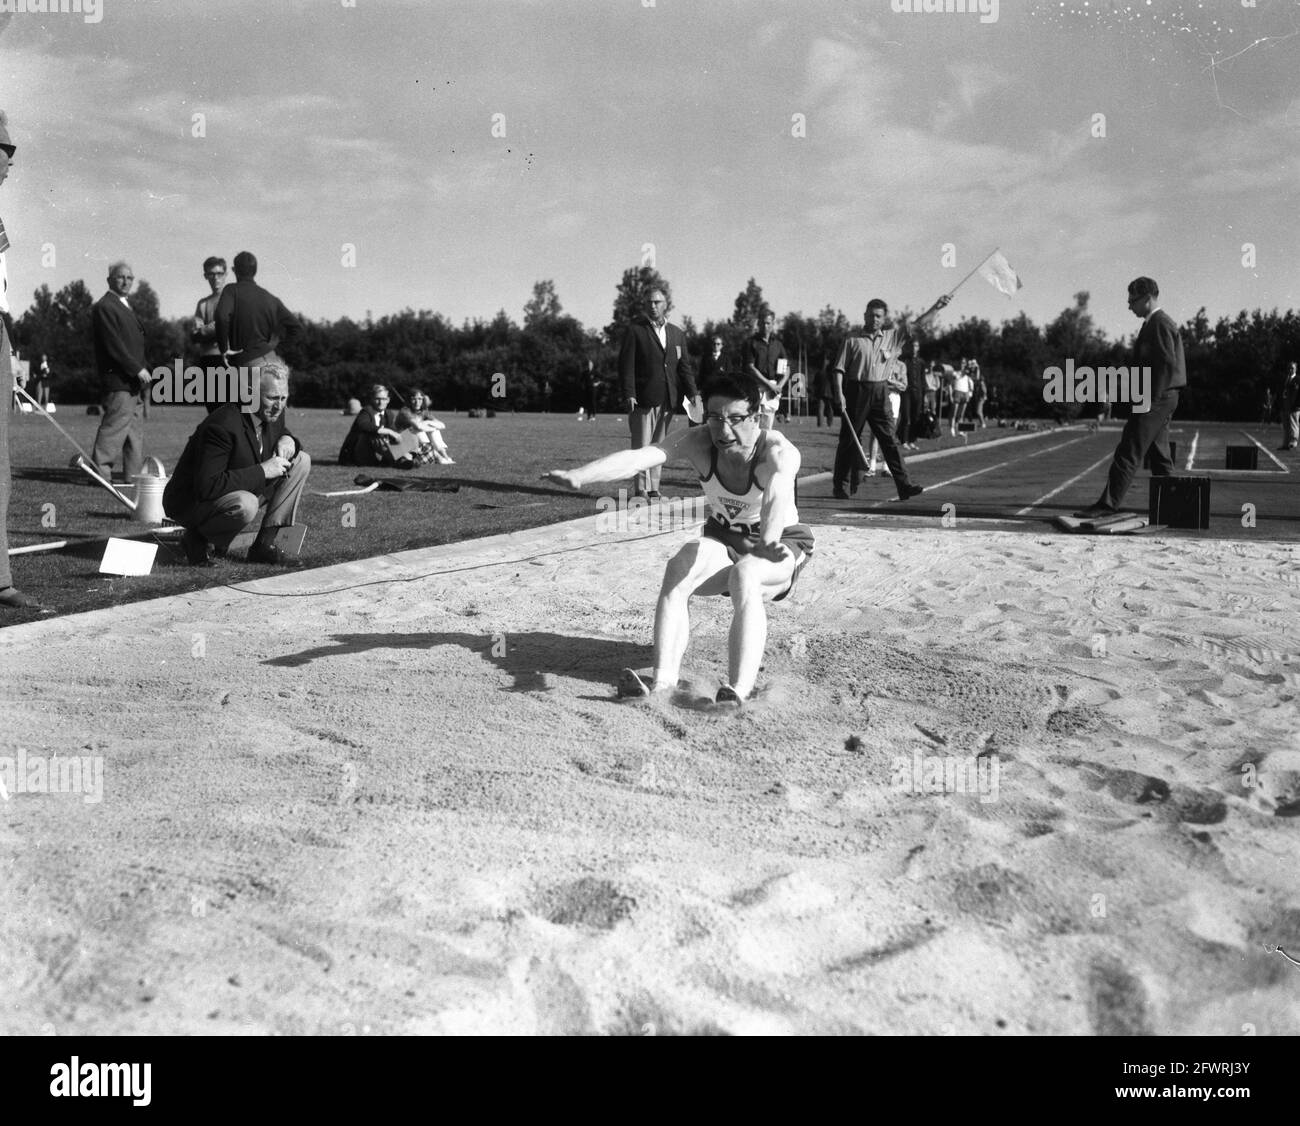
(1159, 347)
(250, 321)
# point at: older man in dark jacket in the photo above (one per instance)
(123, 377)
(234, 464)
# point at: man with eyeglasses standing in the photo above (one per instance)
(123, 376)
(203, 330)
(650, 359)
(752, 547)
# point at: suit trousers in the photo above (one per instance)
(1142, 432)
(909, 410)
(220, 521)
(120, 434)
(6, 380)
(867, 404)
(1291, 421)
(648, 426)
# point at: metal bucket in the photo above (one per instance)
(149, 492)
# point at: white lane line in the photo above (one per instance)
(952, 451)
(989, 469)
(1062, 488)
(1003, 464)
(1191, 454)
(1267, 452)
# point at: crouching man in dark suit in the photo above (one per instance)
(235, 463)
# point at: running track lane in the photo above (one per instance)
(1021, 484)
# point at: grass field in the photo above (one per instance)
(498, 465)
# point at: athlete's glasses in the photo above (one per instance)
(733, 420)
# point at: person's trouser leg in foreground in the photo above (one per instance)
(120, 434)
(647, 425)
(1142, 432)
(6, 378)
(283, 497)
(847, 458)
(882, 426)
(282, 500)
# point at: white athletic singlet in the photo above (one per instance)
(733, 508)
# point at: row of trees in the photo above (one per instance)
(1229, 363)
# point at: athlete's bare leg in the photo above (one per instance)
(753, 581)
(701, 567)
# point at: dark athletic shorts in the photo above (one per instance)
(741, 539)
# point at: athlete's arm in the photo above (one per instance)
(625, 463)
(778, 508)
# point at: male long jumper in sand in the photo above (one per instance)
(751, 548)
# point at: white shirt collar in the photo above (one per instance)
(1151, 314)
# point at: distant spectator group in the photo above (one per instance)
(398, 437)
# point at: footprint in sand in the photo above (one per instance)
(1273, 782)
(588, 903)
(1117, 1001)
(1176, 802)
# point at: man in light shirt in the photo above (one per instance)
(862, 376)
(10, 598)
(203, 329)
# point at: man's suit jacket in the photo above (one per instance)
(222, 457)
(649, 373)
(1160, 347)
(1290, 396)
(252, 321)
(119, 344)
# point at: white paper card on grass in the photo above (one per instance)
(127, 557)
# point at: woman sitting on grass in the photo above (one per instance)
(420, 418)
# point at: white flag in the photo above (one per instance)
(997, 271)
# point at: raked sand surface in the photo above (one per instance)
(416, 808)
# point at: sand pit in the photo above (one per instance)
(416, 807)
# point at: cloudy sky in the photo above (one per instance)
(467, 148)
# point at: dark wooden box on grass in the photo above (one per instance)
(1180, 502)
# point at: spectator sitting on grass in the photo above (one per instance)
(369, 442)
(420, 418)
